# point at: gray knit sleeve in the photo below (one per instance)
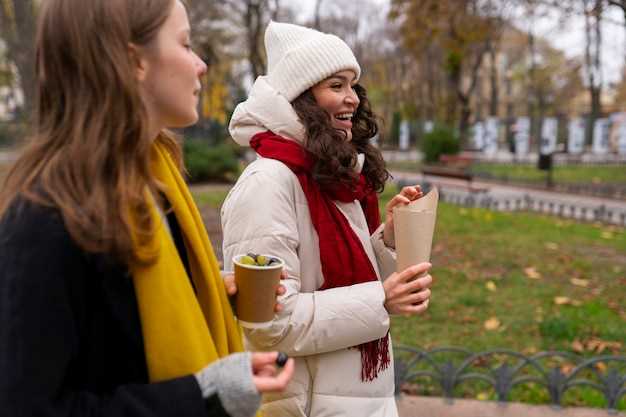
(231, 379)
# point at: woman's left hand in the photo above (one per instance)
(406, 195)
(231, 288)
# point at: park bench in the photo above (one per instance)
(453, 166)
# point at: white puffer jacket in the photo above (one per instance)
(267, 212)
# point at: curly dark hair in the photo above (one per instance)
(335, 156)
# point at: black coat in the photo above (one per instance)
(70, 333)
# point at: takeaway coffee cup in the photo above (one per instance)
(414, 226)
(256, 291)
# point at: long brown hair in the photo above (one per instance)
(90, 153)
(336, 157)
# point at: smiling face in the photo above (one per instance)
(169, 73)
(337, 97)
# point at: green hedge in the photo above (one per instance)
(11, 133)
(206, 162)
(441, 140)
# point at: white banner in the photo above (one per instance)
(621, 139)
(576, 139)
(522, 135)
(491, 135)
(548, 136)
(618, 132)
(404, 135)
(479, 135)
(601, 136)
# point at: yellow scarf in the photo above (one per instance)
(183, 331)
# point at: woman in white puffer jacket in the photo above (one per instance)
(310, 199)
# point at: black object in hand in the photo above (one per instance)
(281, 359)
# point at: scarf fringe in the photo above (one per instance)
(374, 358)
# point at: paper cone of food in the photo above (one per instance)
(257, 278)
(414, 226)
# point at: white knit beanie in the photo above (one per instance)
(299, 57)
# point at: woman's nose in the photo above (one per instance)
(352, 97)
(202, 66)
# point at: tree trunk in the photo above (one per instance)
(494, 103)
(317, 19)
(531, 104)
(593, 43)
(17, 31)
(254, 24)
(454, 85)
(464, 122)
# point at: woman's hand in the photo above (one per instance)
(265, 374)
(406, 294)
(231, 288)
(406, 195)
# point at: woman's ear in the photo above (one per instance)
(139, 63)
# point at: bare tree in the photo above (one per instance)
(251, 17)
(494, 83)
(317, 15)
(17, 23)
(593, 45)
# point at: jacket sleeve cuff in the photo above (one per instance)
(231, 379)
(385, 256)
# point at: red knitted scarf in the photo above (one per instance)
(342, 256)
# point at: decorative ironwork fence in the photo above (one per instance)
(582, 210)
(617, 191)
(451, 368)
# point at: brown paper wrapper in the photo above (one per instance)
(414, 227)
(256, 292)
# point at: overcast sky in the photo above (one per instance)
(570, 39)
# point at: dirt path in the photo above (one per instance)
(211, 218)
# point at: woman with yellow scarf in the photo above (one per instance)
(111, 300)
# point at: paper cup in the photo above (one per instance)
(413, 232)
(256, 292)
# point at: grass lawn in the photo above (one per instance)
(596, 174)
(523, 282)
(548, 281)
(519, 281)
(567, 174)
(212, 198)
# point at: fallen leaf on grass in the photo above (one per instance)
(606, 235)
(580, 282)
(560, 300)
(601, 366)
(551, 245)
(530, 350)
(492, 324)
(532, 273)
(468, 319)
(577, 346)
(599, 345)
(482, 396)
(491, 286)
(597, 291)
(566, 368)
